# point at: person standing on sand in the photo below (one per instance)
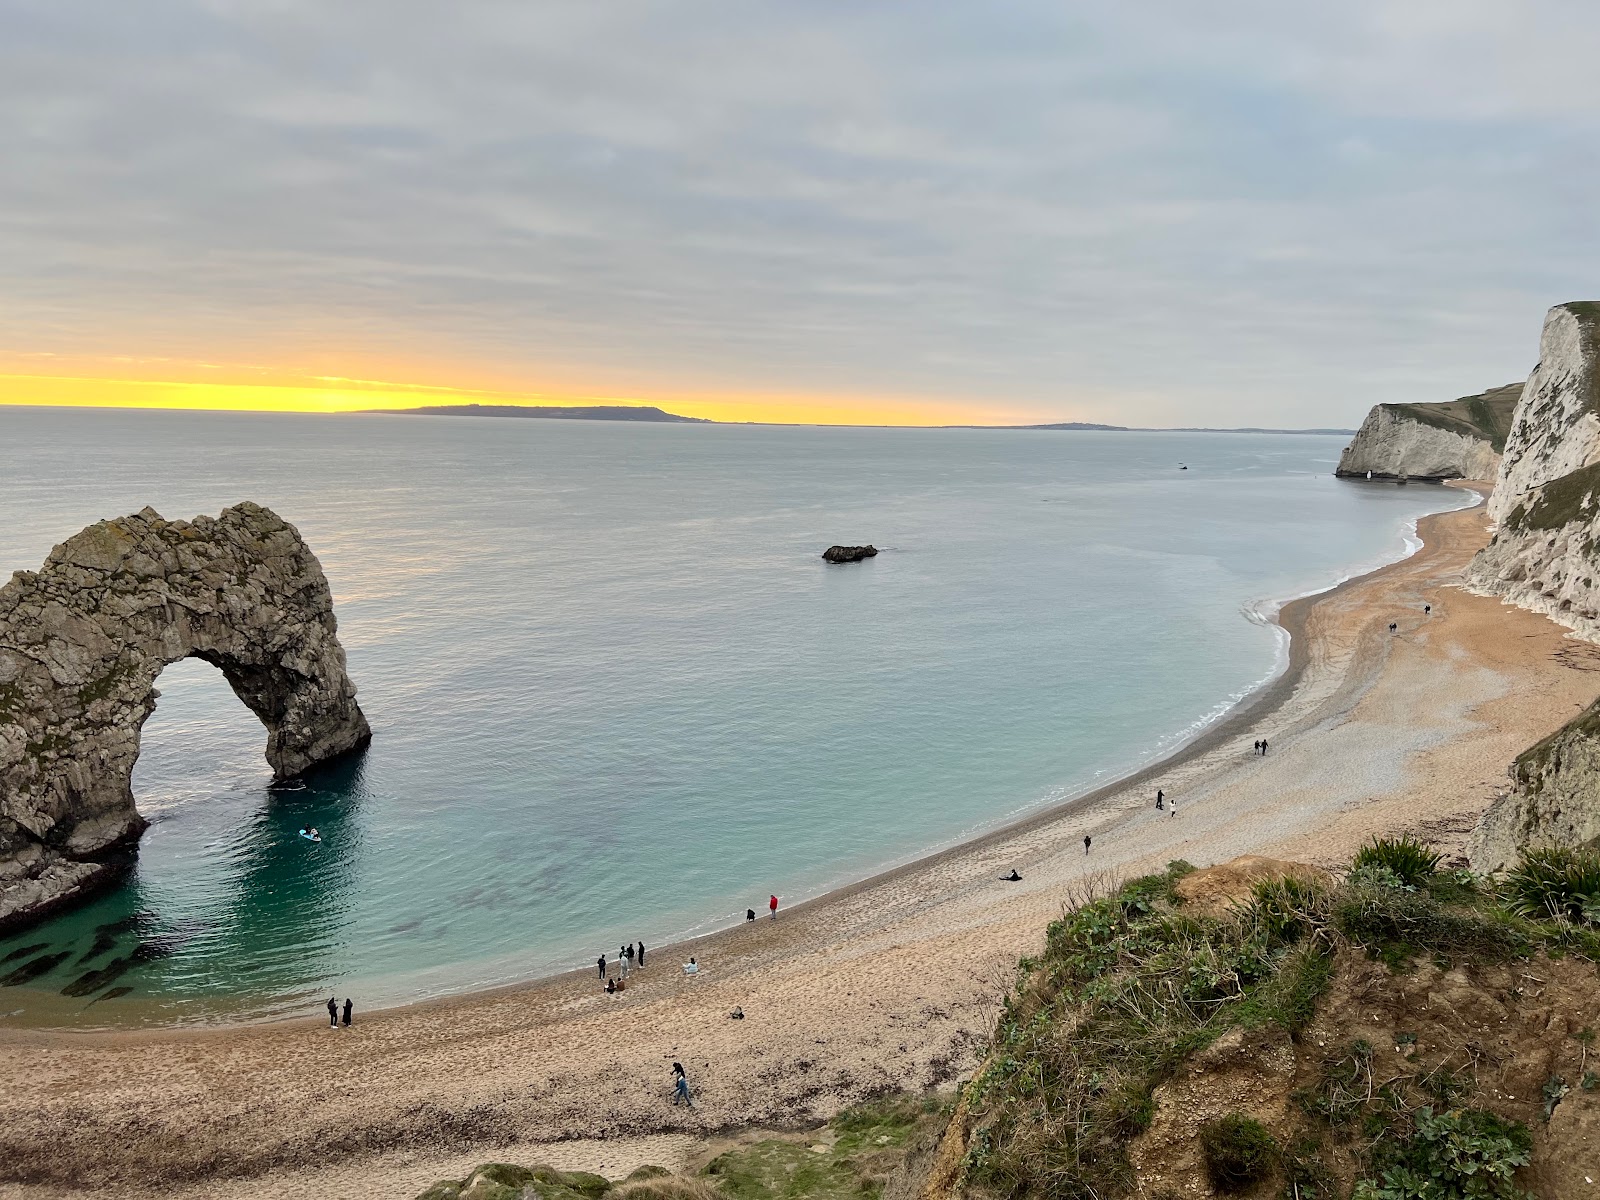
(1263, 747)
(1086, 843)
(1427, 610)
(348, 1009)
(772, 907)
(600, 965)
(641, 954)
(1161, 798)
(680, 1087)
(333, 1013)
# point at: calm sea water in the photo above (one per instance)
(617, 694)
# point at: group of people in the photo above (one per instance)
(1261, 746)
(333, 1012)
(626, 959)
(772, 910)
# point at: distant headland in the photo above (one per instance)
(560, 412)
(632, 412)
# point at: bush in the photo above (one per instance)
(1239, 1153)
(1557, 882)
(1398, 925)
(1469, 1154)
(1410, 859)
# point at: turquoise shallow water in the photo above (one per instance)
(616, 693)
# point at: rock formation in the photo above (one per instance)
(1459, 440)
(1545, 556)
(848, 554)
(81, 643)
(1555, 799)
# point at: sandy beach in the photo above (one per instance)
(886, 985)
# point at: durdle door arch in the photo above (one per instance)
(81, 643)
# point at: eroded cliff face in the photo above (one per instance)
(1554, 801)
(81, 643)
(1394, 442)
(1545, 554)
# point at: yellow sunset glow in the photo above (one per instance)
(332, 394)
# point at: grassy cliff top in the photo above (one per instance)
(1486, 415)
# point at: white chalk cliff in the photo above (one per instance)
(1545, 556)
(1458, 440)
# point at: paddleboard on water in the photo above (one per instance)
(309, 838)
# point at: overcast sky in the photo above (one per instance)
(1150, 213)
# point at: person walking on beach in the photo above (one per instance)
(333, 1013)
(1393, 627)
(772, 907)
(348, 1009)
(1086, 843)
(1427, 610)
(1161, 799)
(600, 965)
(641, 954)
(680, 1084)
(1257, 745)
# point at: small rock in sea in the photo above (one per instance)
(846, 554)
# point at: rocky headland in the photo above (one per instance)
(81, 643)
(1461, 439)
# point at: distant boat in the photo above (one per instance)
(1182, 467)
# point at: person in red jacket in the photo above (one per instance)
(772, 907)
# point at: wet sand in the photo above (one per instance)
(889, 984)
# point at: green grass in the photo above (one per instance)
(1556, 882)
(1571, 497)
(1486, 415)
(1130, 985)
(1238, 1152)
(863, 1145)
(1127, 987)
(1410, 860)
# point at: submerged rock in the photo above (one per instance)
(848, 554)
(81, 643)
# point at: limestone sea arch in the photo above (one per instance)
(82, 641)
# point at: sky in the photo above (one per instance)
(1159, 213)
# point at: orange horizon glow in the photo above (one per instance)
(336, 394)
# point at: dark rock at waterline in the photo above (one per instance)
(92, 981)
(29, 971)
(102, 944)
(114, 994)
(127, 924)
(848, 554)
(24, 951)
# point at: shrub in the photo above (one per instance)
(1468, 1154)
(1411, 859)
(1398, 925)
(1556, 882)
(1239, 1153)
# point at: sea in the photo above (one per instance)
(616, 693)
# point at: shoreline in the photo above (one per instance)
(888, 985)
(1262, 700)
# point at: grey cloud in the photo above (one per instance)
(1121, 211)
